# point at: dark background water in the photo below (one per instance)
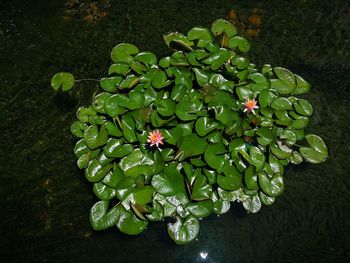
(45, 199)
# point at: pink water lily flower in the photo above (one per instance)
(155, 138)
(250, 105)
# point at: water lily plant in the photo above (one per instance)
(184, 136)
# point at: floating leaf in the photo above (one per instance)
(318, 152)
(123, 52)
(64, 80)
(184, 231)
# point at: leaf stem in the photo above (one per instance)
(119, 122)
(80, 80)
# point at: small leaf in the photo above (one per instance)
(222, 26)
(64, 80)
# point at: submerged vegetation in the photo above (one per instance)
(183, 136)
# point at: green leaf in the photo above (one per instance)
(282, 103)
(119, 68)
(272, 187)
(169, 182)
(235, 146)
(143, 195)
(303, 107)
(286, 76)
(128, 124)
(266, 97)
(159, 80)
(129, 224)
(229, 183)
(215, 156)
(110, 84)
(257, 157)
(99, 101)
(136, 164)
(202, 76)
(189, 146)
(266, 136)
(95, 171)
(178, 41)
(318, 152)
(281, 86)
(113, 129)
(123, 52)
(103, 192)
(187, 110)
(200, 209)
(265, 199)
(112, 106)
(244, 93)
(203, 35)
(157, 212)
(204, 125)
(166, 107)
(251, 178)
(241, 63)
(64, 80)
(184, 231)
(201, 189)
(95, 137)
(101, 219)
(240, 42)
(302, 86)
(222, 26)
(116, 149)
(252, 204)
(147, 58)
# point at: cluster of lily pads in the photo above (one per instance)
(183, 136)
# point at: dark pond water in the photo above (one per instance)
(45, 199)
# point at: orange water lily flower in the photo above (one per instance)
(250, 105)
(155, 138)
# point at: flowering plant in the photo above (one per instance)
(186, 135)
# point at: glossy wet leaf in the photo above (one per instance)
(129, 224)
(252, 204)
(303, 107)
(110, 84)
(62, 80)
(147, 58)
(191, 145)
(204, 125)
(143, 195)
(101, 218)
(271, 186)
(317, 152)
(184, 231)
(95, 171)
(201, 189)
(282, 103)
(95, 137)
(200, 209)
(136, 164)
(169, 182)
